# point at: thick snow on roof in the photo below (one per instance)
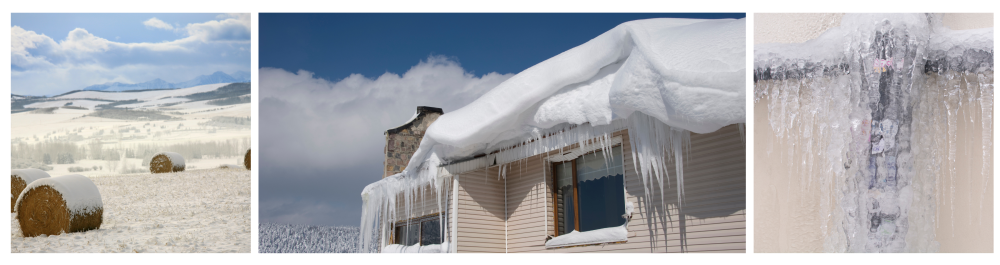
(687, 73)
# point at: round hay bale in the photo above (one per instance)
(166, 162)
(246, 159)
(64, 204)
(19, 179)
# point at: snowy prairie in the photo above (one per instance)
(91, 140)
(282, 238)
(191, 211)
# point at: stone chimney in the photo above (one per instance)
(402, 141)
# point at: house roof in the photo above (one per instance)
(686, 73)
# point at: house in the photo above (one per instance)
(599, 149)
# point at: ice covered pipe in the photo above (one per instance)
(871, 108)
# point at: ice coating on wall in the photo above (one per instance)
(868, 107)
(658, 78)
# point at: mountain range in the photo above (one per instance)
(214, 78)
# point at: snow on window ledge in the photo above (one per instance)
(397, 248)
(604, 235)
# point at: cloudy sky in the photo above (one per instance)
(56, 53)
(331, 84)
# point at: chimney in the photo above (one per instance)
(402, 141)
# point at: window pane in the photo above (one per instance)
(564, 197)
(430, 232)
(601, 189)
(407, 235)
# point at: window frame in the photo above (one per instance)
(576, 193)
(420, 223)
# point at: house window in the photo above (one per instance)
(425, 230)
(590, 192)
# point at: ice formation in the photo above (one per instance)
(659, 78)
(866, 106)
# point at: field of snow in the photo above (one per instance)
(71, 137)
(282, 238)
(190, 211)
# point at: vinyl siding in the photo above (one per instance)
(714, 213)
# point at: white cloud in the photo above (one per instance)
(314, 122)
(157, 24)
(323, 140)
(41, 65)
(235, 27)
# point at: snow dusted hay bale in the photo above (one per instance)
(19, 179)
(246, 159)
(166, 162)
(63, 204)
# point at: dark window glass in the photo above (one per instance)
(600, 191)
(407, 235)
(430, 232)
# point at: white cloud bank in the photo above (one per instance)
(315, 122)
(41, 65)
(321, 141)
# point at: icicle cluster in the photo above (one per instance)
(382, 201)
(654, 146)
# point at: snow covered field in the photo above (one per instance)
(191, 211)
(110, 140)
(281, 238)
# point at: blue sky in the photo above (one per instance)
(55, 53)
(331, 84)
(334, 46)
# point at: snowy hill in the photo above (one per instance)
(214, 78)
(219, 94)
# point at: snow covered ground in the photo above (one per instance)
(282, 238)
(86, 142)
(191, 211)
